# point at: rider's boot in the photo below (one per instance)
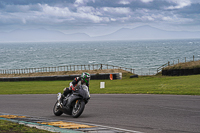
(66, 91)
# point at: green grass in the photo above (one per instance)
(179, 85)
(184, 85)
(11, 127)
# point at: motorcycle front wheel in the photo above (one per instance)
(56, 110)
(78, 108)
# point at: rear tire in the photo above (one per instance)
(56, 110)
(78, 108)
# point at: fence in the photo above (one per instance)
(161, 67)
(141, 71)
(146, 71)
(64, 68)
(178, 61)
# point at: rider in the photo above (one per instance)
(82, 80)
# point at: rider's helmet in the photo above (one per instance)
(85, 77)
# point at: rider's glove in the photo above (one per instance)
(73, 88)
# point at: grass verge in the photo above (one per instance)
(11, 127)
(186, 65)
(179, 85)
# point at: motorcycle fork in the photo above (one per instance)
(76, 103)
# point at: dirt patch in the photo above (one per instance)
(65, 73)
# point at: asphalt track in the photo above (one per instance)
(143, 113)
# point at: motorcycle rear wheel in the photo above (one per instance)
(78, 108)
(56, 111)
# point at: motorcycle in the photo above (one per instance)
(74, 103)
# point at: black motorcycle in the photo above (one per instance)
(74, 103)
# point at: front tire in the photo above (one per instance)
(78, 108)
(56, 110)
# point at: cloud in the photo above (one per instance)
(124, 2)
(146, 1)
(179, 4)
(88, 13)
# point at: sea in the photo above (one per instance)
(145, 56)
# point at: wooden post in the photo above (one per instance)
(185, 59)
(193, 57)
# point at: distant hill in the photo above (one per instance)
(139, 33)
(148, 32)
(41, 35)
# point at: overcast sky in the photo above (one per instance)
(99, 17)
